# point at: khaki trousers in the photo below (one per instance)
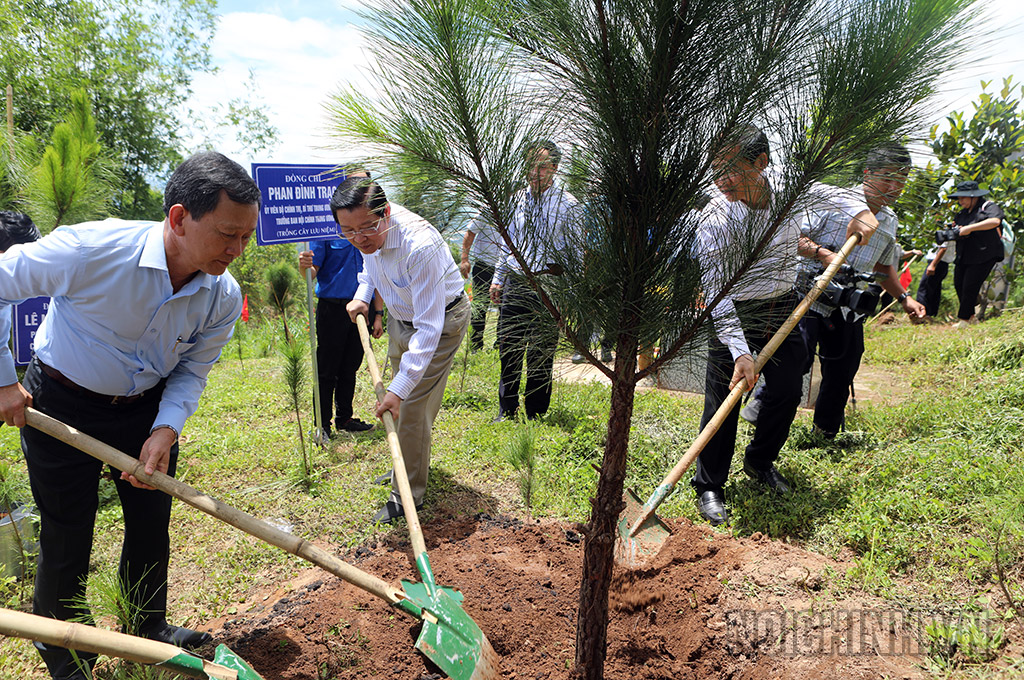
(416, 418)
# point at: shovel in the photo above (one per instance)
(641, 532)
(226, 665)
(449, 637)
(430, 590)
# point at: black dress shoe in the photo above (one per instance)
(390, 512)
(711, 505)
(186, 638)
(355, 425)
(383, 480)
(770, 478)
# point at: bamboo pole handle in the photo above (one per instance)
(211, 506)
(419, 546)
(713, 425)
(91, 639)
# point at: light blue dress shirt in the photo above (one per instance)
(114, 325)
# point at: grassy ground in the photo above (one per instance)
(924, 497)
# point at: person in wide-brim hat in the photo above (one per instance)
(978, 248)
(968, 189)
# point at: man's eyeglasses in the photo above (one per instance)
(366, 231)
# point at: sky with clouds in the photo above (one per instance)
(302, 51)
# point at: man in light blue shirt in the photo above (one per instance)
(139, 313)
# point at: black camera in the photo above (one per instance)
(947, 234)
(843, 291)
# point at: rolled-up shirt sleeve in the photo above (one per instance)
(187, 381)
(724, 317)
(8, 376)
(28, 270)
(427, 271)
(364, 291)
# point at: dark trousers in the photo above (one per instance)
(482, 275)
(780, 397)
(840, 346)
(525, 328)
(929, 291)
(64, 484)
(339, 353)
(967, 280)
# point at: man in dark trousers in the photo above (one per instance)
(335, 264)
(139, 313)
(544, 222)
(747, 317)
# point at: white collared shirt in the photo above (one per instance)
(731, 227)
(416, 276)
(115, 325)
(540, 228)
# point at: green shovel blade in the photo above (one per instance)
(225, 657)
(449, 637)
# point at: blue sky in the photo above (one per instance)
(301, 51)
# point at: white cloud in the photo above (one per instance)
(296, 63)
(299, 61)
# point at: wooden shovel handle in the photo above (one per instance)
(214, 507)
(91, 639)
(762, 358)
(419, 546)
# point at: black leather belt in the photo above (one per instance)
(59, 377)
(454, 302)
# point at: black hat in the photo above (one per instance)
(969, 188)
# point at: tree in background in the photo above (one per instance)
(653, 91)
(75, 179)
(988, 147)
(136, 61)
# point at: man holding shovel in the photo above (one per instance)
(838, 333)
(755, 307)
(410, 266)
(139, 314)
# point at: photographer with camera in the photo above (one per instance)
(834, 325)
(975, 230)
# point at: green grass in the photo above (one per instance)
(924, 495)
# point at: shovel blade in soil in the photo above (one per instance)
(647, 539)
(450, 638)
(225, 657)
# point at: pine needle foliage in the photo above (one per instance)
(648, 94)
(74, 181)
(522, 454)
(296, 377)
(283, 283)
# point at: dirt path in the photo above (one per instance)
(708, 606)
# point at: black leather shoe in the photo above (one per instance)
(711, 505)
(770, 478)
(390, 512)
(384, 479)
(503, 416)
(186, 638)
(355, 425)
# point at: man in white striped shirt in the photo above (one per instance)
(757, 305)
(544, 223)
(408, 263)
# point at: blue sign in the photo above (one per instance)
(296, 202)
(27, 317)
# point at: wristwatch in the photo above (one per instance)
(903, 296)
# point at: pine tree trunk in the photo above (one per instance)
(599, 551)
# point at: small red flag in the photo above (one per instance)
(245, 307)
(905, 279)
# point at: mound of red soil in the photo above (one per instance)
(707, 606)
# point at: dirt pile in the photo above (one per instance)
(708, 606)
